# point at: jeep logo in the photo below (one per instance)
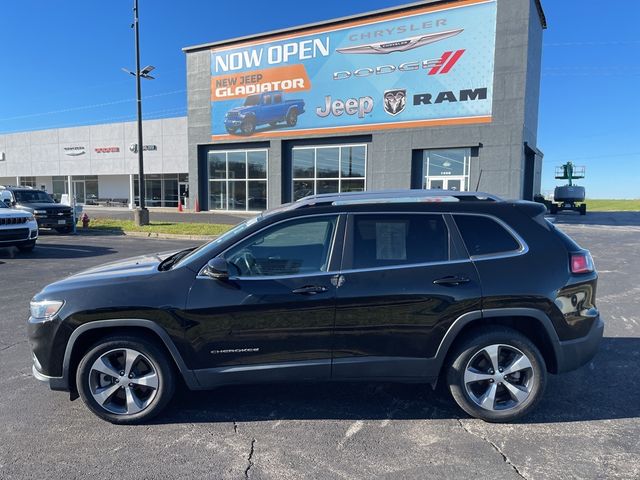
(352, 106)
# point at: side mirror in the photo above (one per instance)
(217, 268)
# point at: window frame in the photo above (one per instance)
(315, 179)
(335, 249)
(347, 255)
(226, 181)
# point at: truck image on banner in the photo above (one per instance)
(417, 68)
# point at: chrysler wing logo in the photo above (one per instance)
(395, 101)
(401, 45)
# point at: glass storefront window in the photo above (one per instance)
(446, 169)
(331, 169)
(237, 179)
(161, 190)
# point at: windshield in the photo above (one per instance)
(203, 250)
(32, 196)
(252, 100)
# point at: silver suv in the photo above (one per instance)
(17, 228)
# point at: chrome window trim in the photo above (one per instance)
(523, 247)
(201, 275)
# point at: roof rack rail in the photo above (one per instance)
(393, 196)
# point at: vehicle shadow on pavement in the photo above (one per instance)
(620, 219)
(607, 388)
(57, 251)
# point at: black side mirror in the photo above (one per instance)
(217, 268)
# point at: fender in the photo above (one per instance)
(465, 319)
(187, 374)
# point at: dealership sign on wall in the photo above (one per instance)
(428, 66)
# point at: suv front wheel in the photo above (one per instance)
(497, 375)
(125, 380)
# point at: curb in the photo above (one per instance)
(168, 236)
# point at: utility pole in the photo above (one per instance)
(141, 214)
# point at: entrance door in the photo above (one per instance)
(456, 184)
(78, 190)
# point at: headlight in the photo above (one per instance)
(40, 212)
(31, 218)
(45, 309)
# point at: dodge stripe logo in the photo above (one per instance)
(446, 63)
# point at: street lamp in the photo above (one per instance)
(141, 214)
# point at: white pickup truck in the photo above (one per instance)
(17, 229)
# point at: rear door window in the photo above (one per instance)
(484, 236)
(381, 240)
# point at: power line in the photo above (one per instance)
(156, 114)
(89, 107)
(578, 44)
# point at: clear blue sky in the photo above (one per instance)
(60, 66)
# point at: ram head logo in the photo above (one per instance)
(395, 101)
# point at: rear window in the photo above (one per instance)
(484, 236)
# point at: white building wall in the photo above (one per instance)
(51, 152)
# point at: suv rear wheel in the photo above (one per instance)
(125, 379)
(497, 375)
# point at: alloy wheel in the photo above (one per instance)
(123, 381)
(498, 377)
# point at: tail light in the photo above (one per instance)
(581, 263)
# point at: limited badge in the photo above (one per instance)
(395, 101)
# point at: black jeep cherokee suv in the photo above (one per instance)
(410, 286)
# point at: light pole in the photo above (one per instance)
(141, 214)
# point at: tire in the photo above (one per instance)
(27, 247)
(471, 381)
(292, 117)
(64, 230)
(104, 391)
(583, 209)
(553, 209)
(231, 130)
(248, 126)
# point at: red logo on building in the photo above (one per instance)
(446, 62)
(107, 149)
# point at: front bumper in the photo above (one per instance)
(235, 123)
(572, 354)
(55, 383)
(54, 222)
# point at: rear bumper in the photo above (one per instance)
(572, 354)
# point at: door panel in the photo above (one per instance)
(277, 307)
(389, 317)
(255, 321)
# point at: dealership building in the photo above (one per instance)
(437, 94)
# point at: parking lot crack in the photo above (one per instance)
(250, 459)
(7, 347)
(505, 459)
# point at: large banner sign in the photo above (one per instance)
(429, 66)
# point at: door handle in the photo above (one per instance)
(310, 290)
(453, 280)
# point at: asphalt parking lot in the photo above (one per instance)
(587, 426)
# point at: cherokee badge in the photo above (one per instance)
(400, 45)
